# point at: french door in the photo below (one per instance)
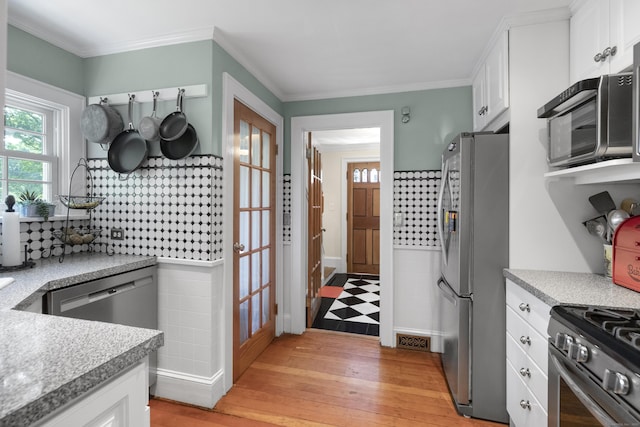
(254, 237)
(314, 238)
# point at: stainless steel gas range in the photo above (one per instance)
(594, 367)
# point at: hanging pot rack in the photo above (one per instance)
(141, 96)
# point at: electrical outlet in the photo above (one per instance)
(117, 234)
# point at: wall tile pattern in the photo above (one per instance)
(40, 241)
(167, 208)
(415, 196)
(286, 208)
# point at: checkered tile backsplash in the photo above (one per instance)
(167, 208)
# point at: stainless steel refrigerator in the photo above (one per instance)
(473, 226)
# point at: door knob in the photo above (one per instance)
(238, 247)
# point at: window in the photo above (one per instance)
(29, 152)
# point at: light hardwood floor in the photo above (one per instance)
(326, 378)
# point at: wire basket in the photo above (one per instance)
(72, 237)
(80, 202)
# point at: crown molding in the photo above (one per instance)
(223, 41)
(197, 34)
(414, 87)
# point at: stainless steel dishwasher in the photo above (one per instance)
(129, 298)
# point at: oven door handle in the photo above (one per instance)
(595, 410)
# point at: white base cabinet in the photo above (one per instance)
(527, 357)
(121, 402)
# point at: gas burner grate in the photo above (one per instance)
(609, 319)
(624, 325)
(630, 335)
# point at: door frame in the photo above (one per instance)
(231, 90)
(380, 119)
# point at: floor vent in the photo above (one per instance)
(413, 342)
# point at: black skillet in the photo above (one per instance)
(175, 124)
(129, 149)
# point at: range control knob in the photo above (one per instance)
(578, 352)
(615, 382)
(563, 341)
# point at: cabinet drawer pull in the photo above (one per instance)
(524, 307)
(525, 404)
(602, 56)
(525, 340)
(525, 372)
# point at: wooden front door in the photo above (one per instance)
(363, 218)
(254, 237)
(314, 238)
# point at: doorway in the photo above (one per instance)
(384, 121)
(348, 301)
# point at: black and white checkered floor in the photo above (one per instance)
(356, 309)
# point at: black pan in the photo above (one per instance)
(181, 147)
(175, 124)
(128, 150)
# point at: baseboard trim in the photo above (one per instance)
(437, 343)
(335, 262)
(192, 389)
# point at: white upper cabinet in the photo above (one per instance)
(490, 86)
(602, 35)
(624, 31)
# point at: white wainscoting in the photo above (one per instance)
(190, 364)
(416, 270)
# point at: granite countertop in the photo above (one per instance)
(556, 287)
(47, 361)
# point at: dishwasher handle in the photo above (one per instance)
(84, 299)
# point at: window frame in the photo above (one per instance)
(52, 140)
(70, 145)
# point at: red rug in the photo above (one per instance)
(330, 291)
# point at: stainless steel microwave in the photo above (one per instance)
(590, 121)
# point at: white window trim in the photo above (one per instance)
(72, 146)
(50, 156)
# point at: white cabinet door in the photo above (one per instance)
(523, 407)
(478, 89)
(490, 87)
(497, 78)
(624, 32)
(588, 35)
(121, 402)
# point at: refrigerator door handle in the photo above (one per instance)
(447, 292)
(445, 171)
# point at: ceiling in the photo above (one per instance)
(299, 49)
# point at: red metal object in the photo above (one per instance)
(626, 254)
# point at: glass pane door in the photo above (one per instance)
(254, 228)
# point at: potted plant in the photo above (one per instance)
(32, 205)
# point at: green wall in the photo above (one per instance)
(202, 62)
(436, 116)
(33, 57)
(174, 66)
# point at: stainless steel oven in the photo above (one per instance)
(594, 367)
